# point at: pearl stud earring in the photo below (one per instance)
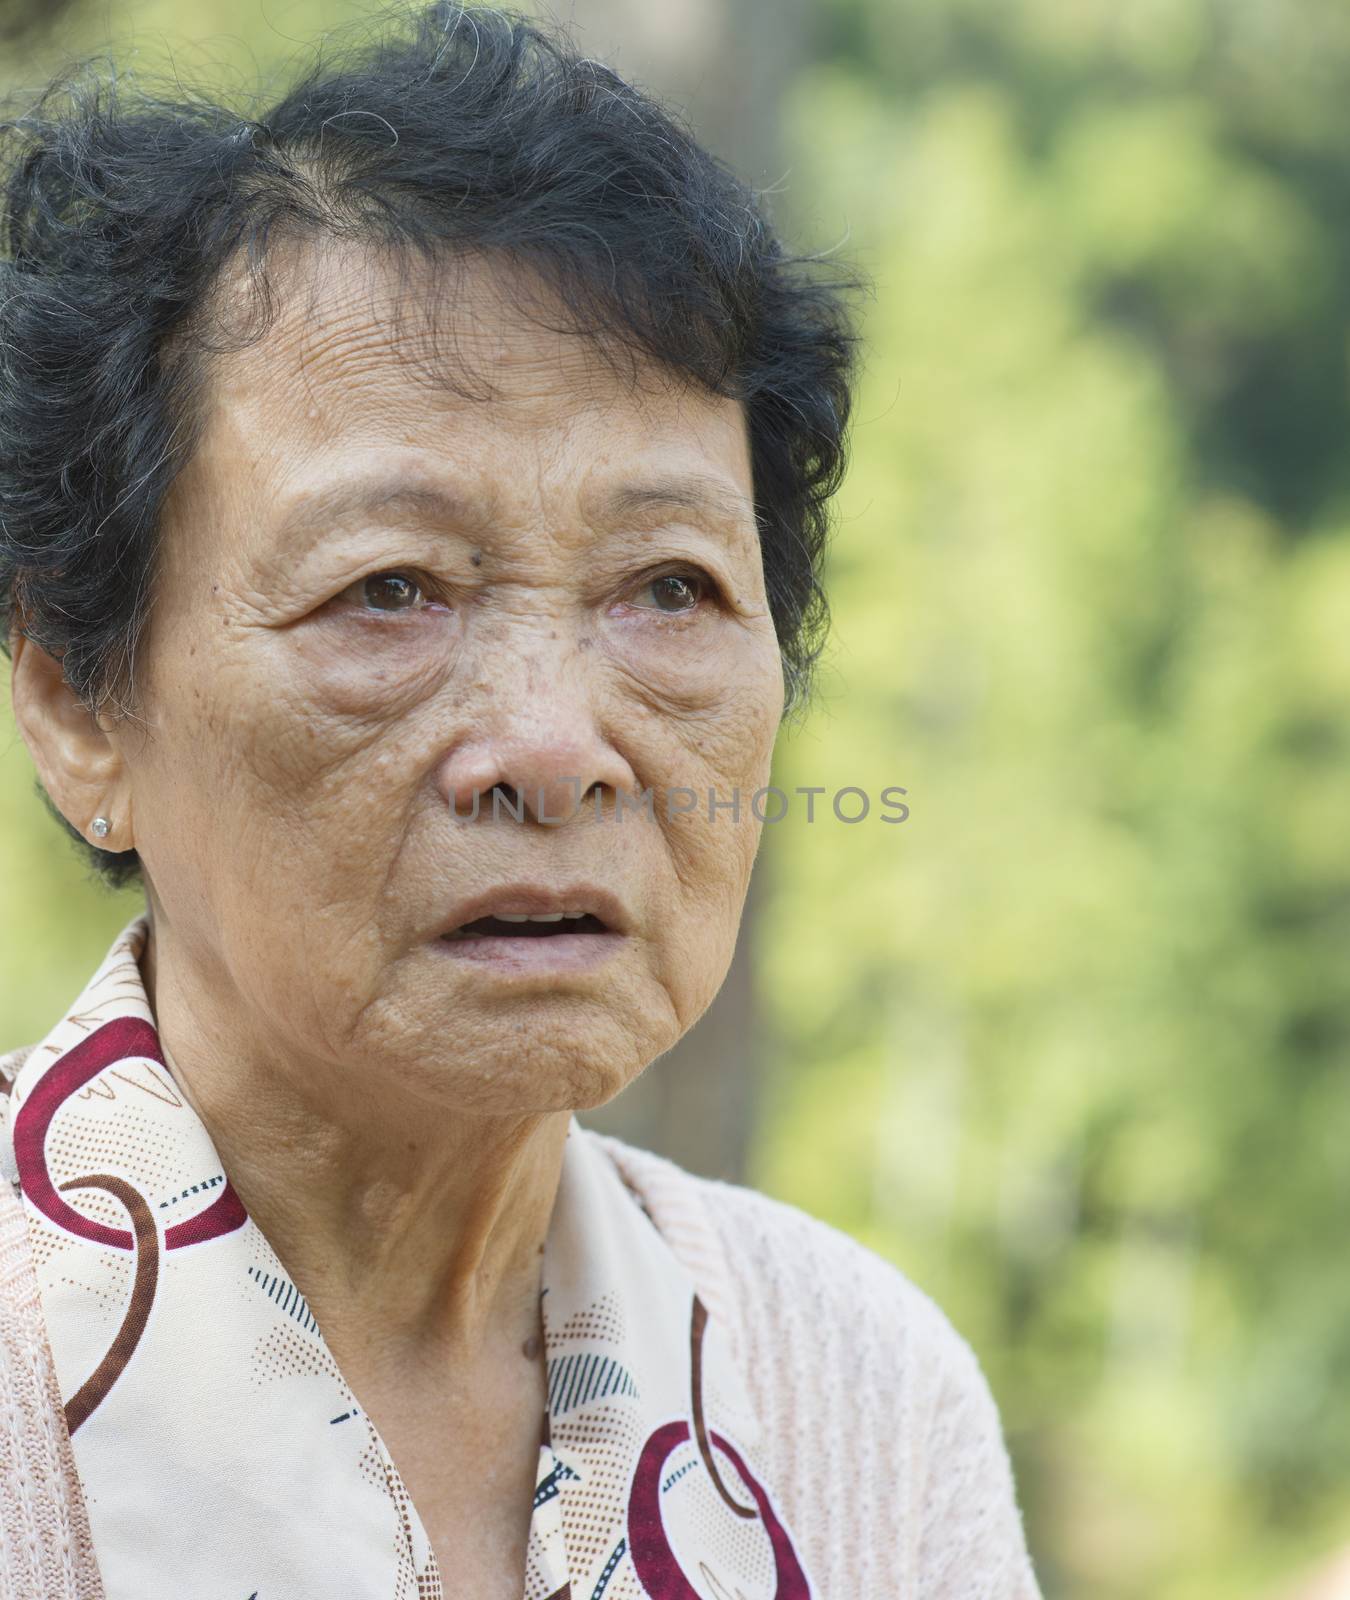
(101, 825)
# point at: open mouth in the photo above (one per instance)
(537, 931)
(539, 925)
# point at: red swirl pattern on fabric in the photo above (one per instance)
(125, 1038)
(95, 1389)
(654, 1561)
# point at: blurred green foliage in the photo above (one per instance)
(1069, 1045)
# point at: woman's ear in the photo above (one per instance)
(77, 759)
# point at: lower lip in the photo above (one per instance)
(535, 954)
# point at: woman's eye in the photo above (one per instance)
(676, 591)
(386, 591)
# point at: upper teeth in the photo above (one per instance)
(536, 916)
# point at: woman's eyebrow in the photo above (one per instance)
(317, 510)
(702, 493)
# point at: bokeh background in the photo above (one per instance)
(1070, 1045)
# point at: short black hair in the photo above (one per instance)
(454, 128)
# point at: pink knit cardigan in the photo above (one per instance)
(879, 1424)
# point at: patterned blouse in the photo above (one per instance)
(220, 1451)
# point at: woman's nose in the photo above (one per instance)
(544, 746)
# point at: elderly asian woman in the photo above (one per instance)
(402, 489)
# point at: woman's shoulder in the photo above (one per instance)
(778, 1262)
(851, 1362)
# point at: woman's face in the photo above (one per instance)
(377, 599)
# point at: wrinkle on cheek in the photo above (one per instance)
(327, 787)
(696, 668)
(677, 676)
(728, 725)
(351, 673)
(724, 743)
(351, 958)
(327, 770)
(713, 860)
(289, 745)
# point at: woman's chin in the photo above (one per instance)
(563, 1057)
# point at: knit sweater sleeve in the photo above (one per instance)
(884, 1437)
(972, 1542)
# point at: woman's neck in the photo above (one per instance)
(413, 1231)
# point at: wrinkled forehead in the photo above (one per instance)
(324, 322)
(472, 367)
